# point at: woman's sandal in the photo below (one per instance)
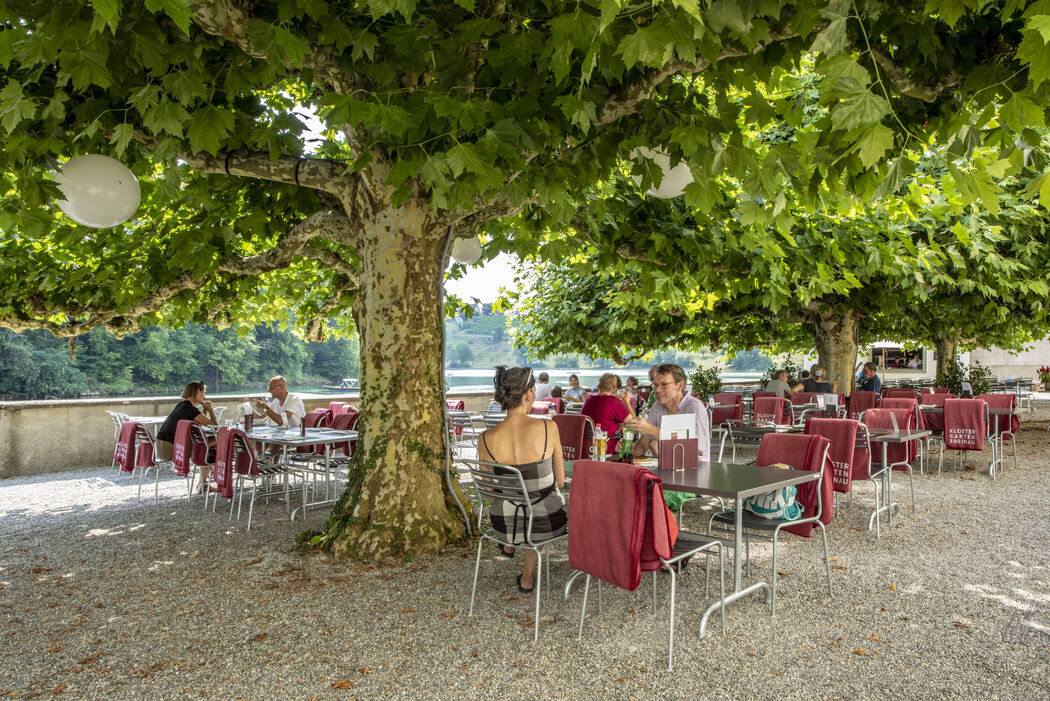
(504, 553)
(522, 589)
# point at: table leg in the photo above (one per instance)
(887, 484)
(738, 593)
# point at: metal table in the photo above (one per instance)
(737, 482)
(886, 437)
(292, 437)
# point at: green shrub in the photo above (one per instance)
(704, 383)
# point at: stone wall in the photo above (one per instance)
(59, 435)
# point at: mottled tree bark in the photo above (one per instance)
(396, 502)
(947, 348)
(835, 338)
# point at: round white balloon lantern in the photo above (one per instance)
(674, 179)
(100, 191)
(466, 251)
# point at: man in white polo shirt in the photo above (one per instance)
(284, 408)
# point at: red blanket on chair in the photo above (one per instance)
(608, 522)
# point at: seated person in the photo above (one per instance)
(556, 392)
(543, 386)
(632, 385)
(575, 393)
(779, 385)
(870, 381)
(609, 408)
(284, 408)
(671, 398)
(533, 446)
(192, 397)
(817, 382)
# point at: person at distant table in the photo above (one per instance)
(817, 382)
(575, 393)
(186, 409)
(543, 386)
(284, 408)
(779, 385)
(870, 381)
(609, 408)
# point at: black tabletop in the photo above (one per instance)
(731, 481)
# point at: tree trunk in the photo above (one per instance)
(947, 347)
(835, 337)
(395, 502)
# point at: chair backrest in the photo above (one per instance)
(736, 411)
(559, 405)
(118, 421)
(859, 402)
(498, 482)
(842, 433)
(771, 409)
(613, 533)
(223, 472)
(573, 408)
(135, 447)
(317, 418)
(941, 390)
(804, 397)
(1002, 423)
(896, 453)
(900, 393)
(759, 395)
(540, 408)
(345, 422)
(965, 424)
(935, 420)
(455, 404)
(577, 434)
(338, 408)
(903, 403)
(643, 395)
(861, 454)
(243, 454)
(808, 453)
(458, 421)
(190, 447)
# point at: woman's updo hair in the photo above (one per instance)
(190, 390)
(511, 385)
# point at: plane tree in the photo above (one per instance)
(433, 120)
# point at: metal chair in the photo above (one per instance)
(496, 482)
(118, 421)
(898, 456)
(803, 453)
(966, 428)
(607, 501)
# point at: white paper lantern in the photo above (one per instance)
(100, 191)
(674, 179)
(466, 251)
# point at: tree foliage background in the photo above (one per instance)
(36, 365)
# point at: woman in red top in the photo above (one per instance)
(609, 407)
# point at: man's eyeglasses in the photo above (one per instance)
(665, 384)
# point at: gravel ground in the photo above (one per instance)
(105, 595)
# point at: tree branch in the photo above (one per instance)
(230, 19)
(323, 175)
(930, 92)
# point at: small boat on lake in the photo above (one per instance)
(347, 383)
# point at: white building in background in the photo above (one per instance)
(896, 363)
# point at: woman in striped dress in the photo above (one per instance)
(532, 445)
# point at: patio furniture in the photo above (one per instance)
(494, 481)
(576, 433)
(859, 402)
(737, 482)
(619, 527)
(966, 428)
(899, 449)
(807, 454)
(1003, 420)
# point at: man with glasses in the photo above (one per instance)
(671, 398)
